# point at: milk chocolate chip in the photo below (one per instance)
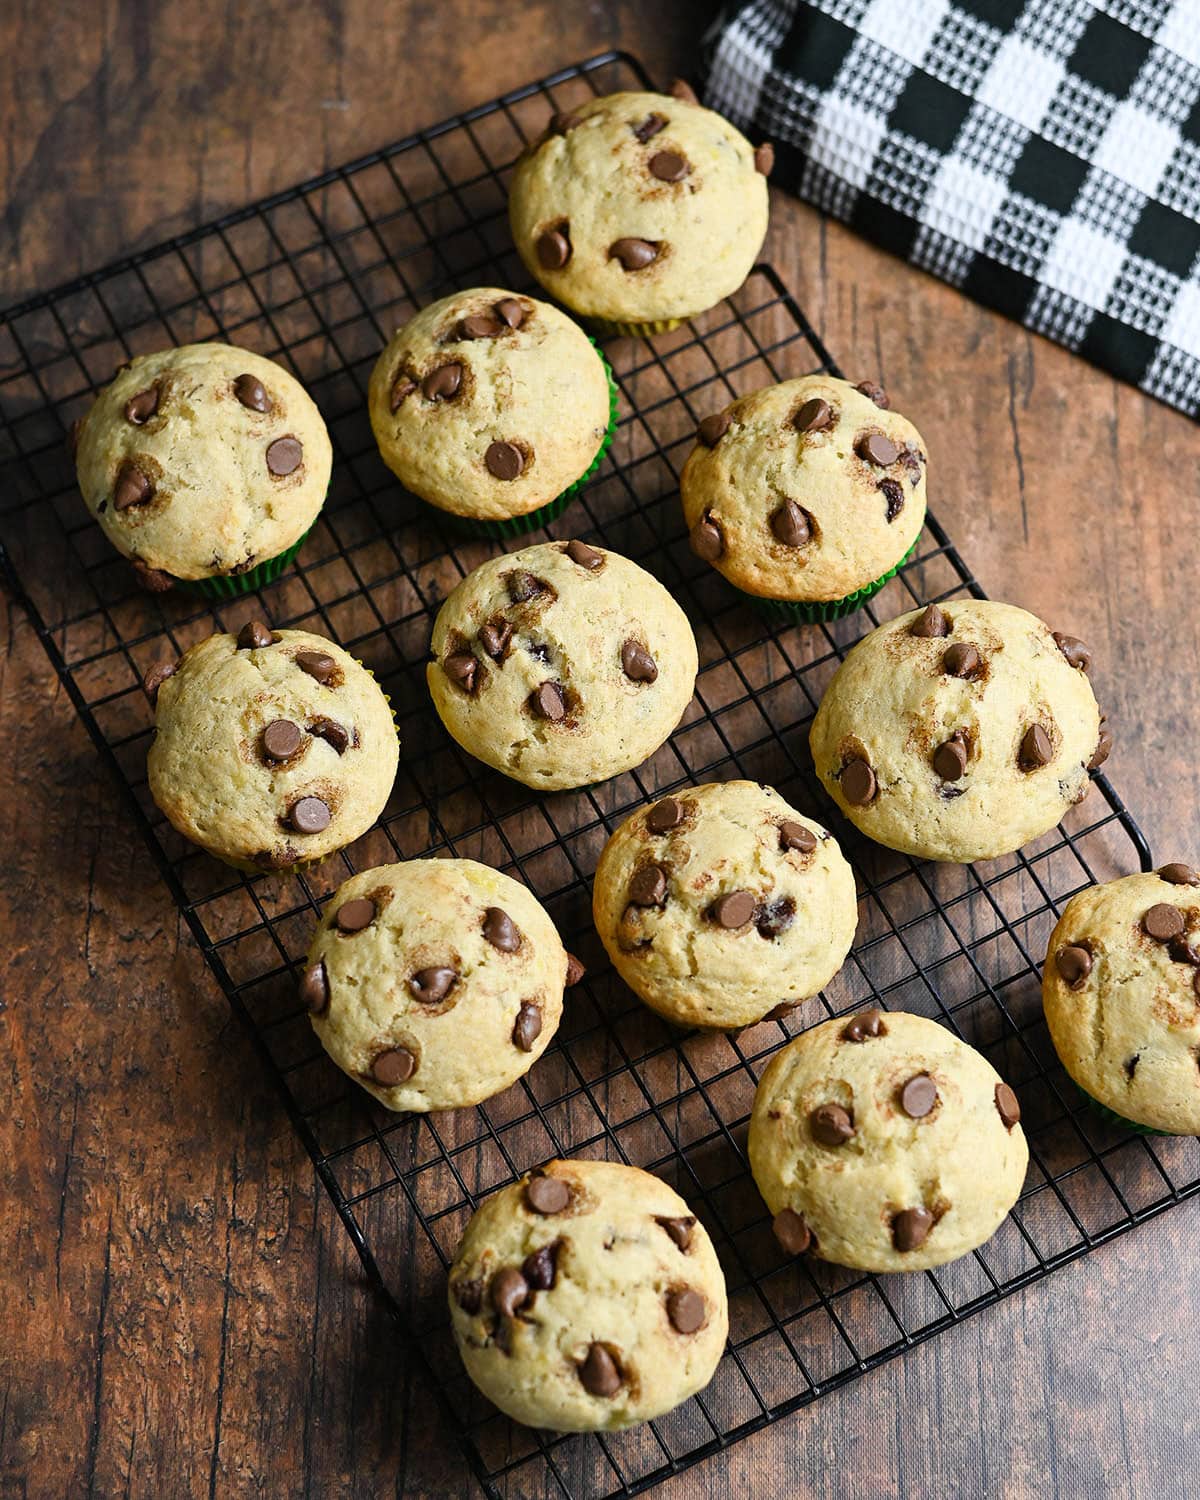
(637, 663)
(504, 460)
(796, 836)
(527, 1027)
(706, 539)
(634, 254)
(713, 428)
(910, 1228)
(877, 449)
(1179, 875)
(600, 1374)
(140, 408)
(1007, 1106)
(962, 660)
(868, 1023)
(309, 815)
(668, 166)
(157, 674)
(733, 910)
(649, 886)
(664, 816)
(686, 1310)
(831, 1125)
(814, 416)
(431, 986)
(314, 988)
(132, 487)
(354, 916)
(791, 525)
(393, 1066)
(1076, 653)
(791, 1231)
(500, 930)
(1074, 964)
(950, 758)
(918, 1096)
(764, 158)
(319, 665)
(548, 702)
(874, 392)
(553, 249)
(462, 669)
(930, 623)
(284, 456)
(585, 556)
(281, 739)
(680, 1230)
(251, 392)
(443, 383)
(858, 783)
(508, 1291)
(254, 635)
(547, 1195)
(1163, 922)
(1037, 749)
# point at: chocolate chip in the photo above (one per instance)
(504, 460)
(132, 487)
(910, 1228)
(1076, 653)
(1037, 749)
(353, 916)
(637, 663)
(527, 1027)
(877, 449)
(443, 383)
(524, 586)
(764, 158)
(469, 1296)
(334, 734)
(254, 635)
(664, 816)
(874, 392)
(576, 969)
(634, 254)
(251, 392)
(140, 408)
(706, 539)
(776, 917)
(431, 986)
(668, 166)
(158, 674)
(858, 783)
(790, 525)
(1184, 949)
(1074, 964)
(918, 1096)
(500, 930)
(831, 1125)
(1163, 922)
(733, 910)
(893, 495)
(481, 326)
(962, 660)
(284, 456)
(309, 815)
(319, 665)
(462, 669)
(281, 739)
(401, 391)
(547, 1195)
(540, 1267)
(683, 91)
(508, 1291)
(314, 988)
(585, 556)
(600, 1374)
(649, 886)
(781, 1011)
(564, 119)
(1103, 749)
(393, 1066)
(153, 580)
(950, 759)
(796, 836)
(868, 1023)
(650, 127)
(548, 702)
(931, 623)
(814, 416)
(511, 312)
(791, 1231)
(553, 249)
(1179, 875)
(1007, 1106)
(679, 1229)
(713, 428)
(494, 638)
(1130, 1065)
(686, 1310)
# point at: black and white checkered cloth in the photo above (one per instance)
(1043, 155)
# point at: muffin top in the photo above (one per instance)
(960, 731)
(806, 490)
(721, 903)
(489, 404)
(883, 1142)
(561, 664)
(434, 983)
(271, 748)
(639, 207)
(1121, 989)
(587, 1297)
(203, 461)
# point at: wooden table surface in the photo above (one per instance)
(182, 1313)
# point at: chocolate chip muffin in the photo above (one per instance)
(587, 1298)
(884, 1143)
(561, 665)
(492, 407)
(959, 732)
(637, 209)
(721, 904)
(806, 495)
(1121, 990)
(272, 748)
(435, 983)
(205, 465)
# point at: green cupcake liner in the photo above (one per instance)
(234, 585)
(1112, 1118)
(614, 328)
(513, 526)
(819, 611)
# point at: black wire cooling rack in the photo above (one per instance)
(318, 277)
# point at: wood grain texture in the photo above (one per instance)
(182, 1313)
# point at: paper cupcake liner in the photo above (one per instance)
(616, 328)
(1112, 1118)
(234, 585)
(513, 526)
(818, 611)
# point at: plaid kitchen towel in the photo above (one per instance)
(1043, 155)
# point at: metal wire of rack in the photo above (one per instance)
(317, 277)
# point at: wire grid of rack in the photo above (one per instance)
(318, 277)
